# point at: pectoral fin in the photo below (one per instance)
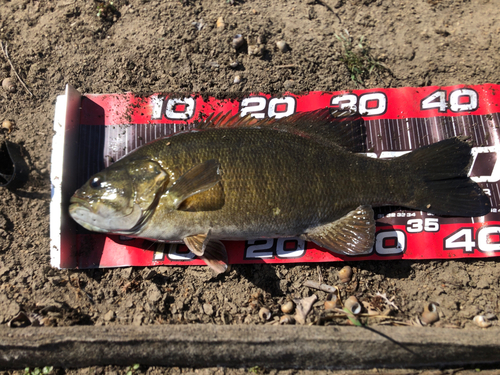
(198, 243)
(211, 200)
(216, 256)
(197, 180)
(353, 234)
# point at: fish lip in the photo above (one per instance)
(76, 202)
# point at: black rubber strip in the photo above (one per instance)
(13, 169)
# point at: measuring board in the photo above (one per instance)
(100, 129)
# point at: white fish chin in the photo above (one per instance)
(104, 220)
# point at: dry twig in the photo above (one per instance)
(322, 287)
(4, 50)
(320, 275)
(387, 300)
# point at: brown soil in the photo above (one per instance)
(153, 46)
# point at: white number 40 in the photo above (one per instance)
(460, 100)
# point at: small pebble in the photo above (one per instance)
(47, 322)
(255, 50)
(282, 46)
(288, 84)
(331, 302)
(7, 124)
(238, 41)
(489, 316)
(56, 280)
(220, 23)
(149, 274)
(329, 305)
(430, 314)
(345, 274)
(255, 45)
(127, 271)
(288, 307)
(225, 317)
(237, 79)
(264, 314)
(20, 320)
(109, 316)
(199, 25)
(208, 309)
(481, 321)
(287, 319)
(353, 305)
(256, 295)
(138, 319)
(9, 85)
(234, 64)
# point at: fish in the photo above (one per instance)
(237, 178)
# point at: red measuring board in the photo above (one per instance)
(396, 121)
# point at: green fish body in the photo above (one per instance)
(237, 179)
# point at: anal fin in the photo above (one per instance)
(353, 234)
(216, 256)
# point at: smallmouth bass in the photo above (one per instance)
(239, 178)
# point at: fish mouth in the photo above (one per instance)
(103, 219)
(78, 207)
(75, 201)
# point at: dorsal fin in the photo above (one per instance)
(342, 128)
(225, 120)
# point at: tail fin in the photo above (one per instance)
(440, 181)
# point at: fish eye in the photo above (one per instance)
(96, 182)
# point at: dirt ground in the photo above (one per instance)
(113, 370)
(153, 46)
